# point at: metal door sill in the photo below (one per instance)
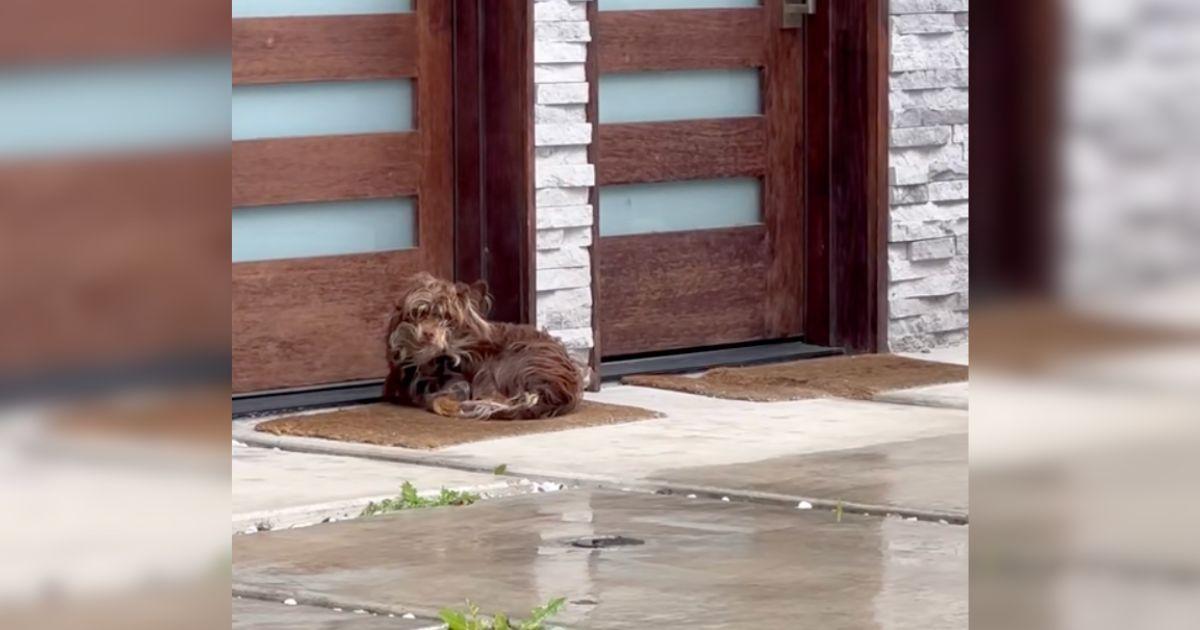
(696, 360)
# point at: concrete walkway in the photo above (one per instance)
(694, 430)
(274, 488)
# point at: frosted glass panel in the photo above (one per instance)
(630, 5)
(317, 109)
(277, 8)
(98, 107)
(323, 229)
(650, 96)
(675, 206)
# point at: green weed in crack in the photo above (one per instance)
(409, 499)
(469, 619)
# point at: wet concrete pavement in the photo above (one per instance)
(929, 473)
(703, 564)
(254, 614)
(283, 489)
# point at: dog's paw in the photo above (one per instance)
(446, 406)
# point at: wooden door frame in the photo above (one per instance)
(847, 62)
(494, 152)
(845, 175)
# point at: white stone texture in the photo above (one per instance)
(925, 23)
(552, 279)
(561, 197)
(564, 134)
(931, 249)
(576, 31)
(554, 238)
(562, 93)
(559, 11)
(559, 73)
(563, 216)
(559, 52)
(543, 114)
(551, 156)
(574, 338)
(928, 237)
(920, 136)
(929, 51)
(930, 79)
(900, 7)
(907, 195)
(566, 257)
(563, 173)
(566, 308)
(956, 190)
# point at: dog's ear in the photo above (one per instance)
(481, 297)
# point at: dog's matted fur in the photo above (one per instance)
(444, 356)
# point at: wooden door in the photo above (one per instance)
(342, 183)
(700, 182)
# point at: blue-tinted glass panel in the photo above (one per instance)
(279, 8)
(334, 228)
(318, 109)
(677, 206)
(101, 107)
(679, 95)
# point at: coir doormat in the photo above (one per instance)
(858, 377)
(393, 425)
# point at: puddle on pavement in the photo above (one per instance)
(748, 566)
(921, 474)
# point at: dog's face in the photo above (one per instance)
(431, 315)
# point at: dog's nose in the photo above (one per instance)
(434, 336)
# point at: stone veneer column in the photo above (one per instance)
(563, 174)
(927, 241)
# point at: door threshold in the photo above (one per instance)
(282, 401)
(696, 360)
(300, 399)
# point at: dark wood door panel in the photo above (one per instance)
(684, 149)
(339, 47)
(314, 320)
(326, 168)
(688, 39)
(682, 289)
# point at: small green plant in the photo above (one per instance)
(838, 511)
(500, 470)
(409, 499)
(469, 619)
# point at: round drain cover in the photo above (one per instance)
(603, 542)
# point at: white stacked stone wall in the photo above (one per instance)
(563, 174)
(928, 157)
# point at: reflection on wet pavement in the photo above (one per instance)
(704, 563)
(928, 474)
(254, 614)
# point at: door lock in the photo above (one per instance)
(795, 10)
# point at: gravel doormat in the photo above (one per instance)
(857, 377)
(393, 425)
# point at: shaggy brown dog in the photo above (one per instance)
(444, 356)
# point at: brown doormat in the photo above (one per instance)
(393, 425)
(858, 377)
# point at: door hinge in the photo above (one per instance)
(795, 10)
